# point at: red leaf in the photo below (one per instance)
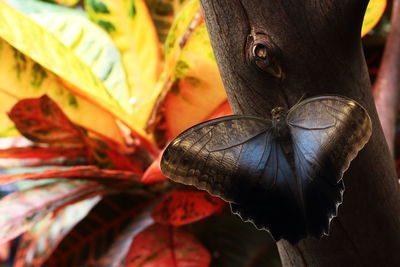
(184, 207)
(5, 250)
(107, 154)
(166, 246)
(20, 210)
(105, 235)
(41, 120)
(222, 110)
(80, 172)
(153, 173)
(37, 156)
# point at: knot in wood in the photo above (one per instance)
(264, 54)
(260, 51)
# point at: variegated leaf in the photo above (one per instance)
(40, 45)
(77, 172)
(20, 210)
(163, 13)
(105, 235)
(37, 244)
(193, 88)
(373, 14)
(21, 77)
(130, 26)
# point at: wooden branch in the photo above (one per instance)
(311, 48)
(387, 85)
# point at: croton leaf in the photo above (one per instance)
(39, 156)
(39, 7)
(42, 121)
(14, 142)
(223, 110)
(192, 87)
(163, 13)
(166, 246)
(234, 243)
(107, 154)
(67, 2)
(184, 207)
(130, 26)
(20, 210)
(373, 14)
(186, 20)
(153, 173)
(21, 78)
(90, 43)
(44, 48)
(76, 172)
(105, 235)
(37, 244)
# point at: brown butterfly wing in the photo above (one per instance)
(327, 133)
(210, 155)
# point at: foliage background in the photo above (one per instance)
(91, 92)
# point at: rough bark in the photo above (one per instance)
(387, 85)
(316, 44)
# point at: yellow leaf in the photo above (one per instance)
(67, 2)
(93, 46)
(163, 13)
(21, 77)
(373, 14)
(37, 7)
(7, 127)
(193, 89)
(180, 31)
(130, 26)
(40, 45)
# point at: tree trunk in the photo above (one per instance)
(274, 52)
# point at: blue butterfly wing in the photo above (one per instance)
(238, 159)
(291, 188)
(327, 133)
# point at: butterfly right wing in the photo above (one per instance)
(211, 155)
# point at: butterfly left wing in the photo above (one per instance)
(327, 133)
(208, 154)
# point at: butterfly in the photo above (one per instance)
(283, 174)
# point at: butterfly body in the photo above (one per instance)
(284, 174)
